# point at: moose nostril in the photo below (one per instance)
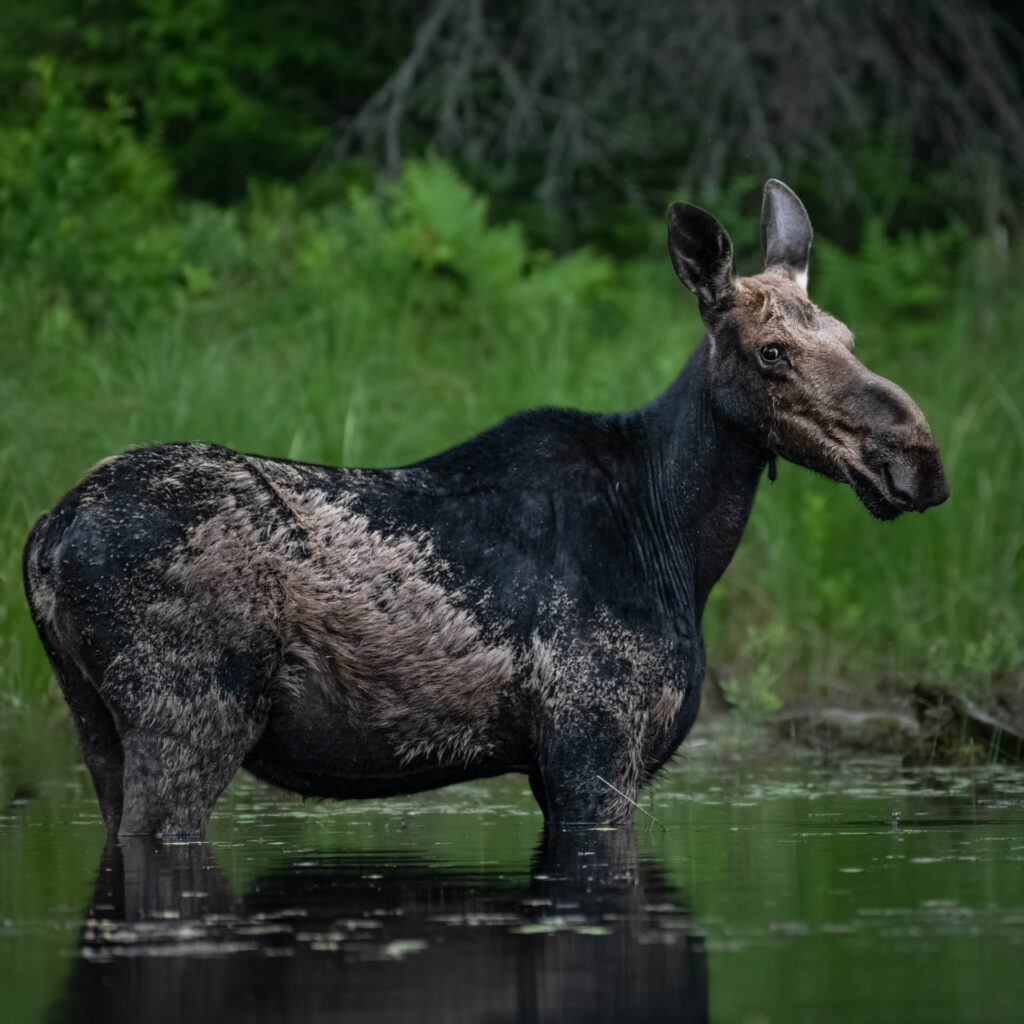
(901, 479)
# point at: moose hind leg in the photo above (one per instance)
(172, 782)
(101, 745)
(189, 729)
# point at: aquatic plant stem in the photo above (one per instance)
(633, 802)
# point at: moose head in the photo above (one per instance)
(784, 371)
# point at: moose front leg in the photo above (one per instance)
(589, 772)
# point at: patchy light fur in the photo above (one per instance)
(366, 616)
(632, 684)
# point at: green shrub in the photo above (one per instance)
(84, 227)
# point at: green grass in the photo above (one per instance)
(379, 330)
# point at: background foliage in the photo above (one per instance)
(578, 117)
(185, 252)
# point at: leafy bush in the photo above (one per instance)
(84, 229)
(225, 90)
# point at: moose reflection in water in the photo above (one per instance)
(595, 933)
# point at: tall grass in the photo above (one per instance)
(376, 330)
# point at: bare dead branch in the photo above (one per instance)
(599, 87)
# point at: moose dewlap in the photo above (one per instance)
(528, 601)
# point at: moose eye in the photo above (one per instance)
(769, 353)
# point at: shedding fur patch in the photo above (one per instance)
(665, 709)
(367, 616)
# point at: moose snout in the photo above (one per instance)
(900, 454)
(916, 480)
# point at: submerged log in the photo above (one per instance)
(955, 728)
(833, 729)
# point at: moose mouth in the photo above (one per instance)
(877, 492)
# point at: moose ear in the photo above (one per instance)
(785, 232)
(701, 254)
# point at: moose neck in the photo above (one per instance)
(704, 473)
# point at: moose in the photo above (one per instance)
(527, 601)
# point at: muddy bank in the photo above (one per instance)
(929, 724)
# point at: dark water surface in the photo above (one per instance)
(779, 892)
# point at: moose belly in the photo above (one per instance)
(384, 743)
